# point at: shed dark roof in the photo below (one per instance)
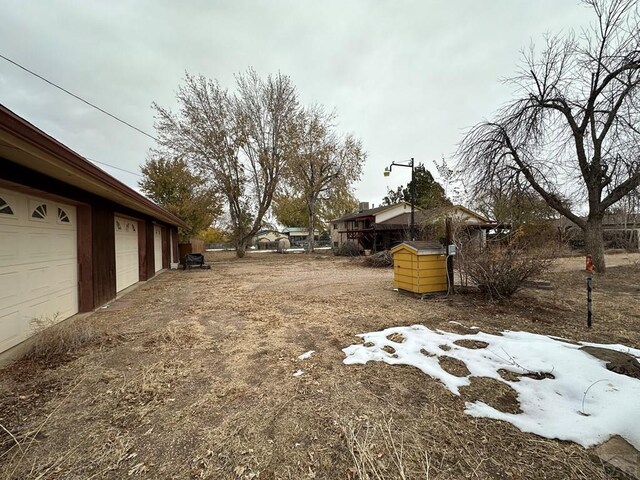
(421, 246)
(424, 244)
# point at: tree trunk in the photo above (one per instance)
(241, 249)
(312, 218)
(594, 243)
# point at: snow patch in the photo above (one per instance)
(306, 355)
(298, 373)
(581, 401)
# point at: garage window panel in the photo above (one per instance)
(5, 208)
(63, 217)
(40, 212)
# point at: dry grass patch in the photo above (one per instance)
(176, 336)
(59, 341)
(396, 338)
(390, 350)
(380, 449)
(494, 393)
(199, 382)
(453, 366)
(472, 344)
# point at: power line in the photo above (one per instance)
(117, 168)
(79, 98)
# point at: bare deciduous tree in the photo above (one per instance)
(574, 130)
(236, 139)
(321, 163)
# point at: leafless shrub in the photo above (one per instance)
(500, 270)
(379, 260)
(53, 339)
(348, 249)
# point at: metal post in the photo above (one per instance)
(413, 201)
(410, 164)
(589, 313)
(589, 269)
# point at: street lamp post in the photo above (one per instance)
(409, 164)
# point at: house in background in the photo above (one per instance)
(271, 239)
(383, 227)
(288, 237)
(622, 230)
(298, 235)
(72, 237)
(619, 230)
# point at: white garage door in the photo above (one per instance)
(38, 265)
(157, 247)
(127, 272)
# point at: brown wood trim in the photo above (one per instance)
(142, 251)
(174, 237)
(27, 132)
(150, 266)
(85, 259)
(104, 254)
(165, 247)
(34, 192)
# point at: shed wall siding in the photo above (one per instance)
(419, 273)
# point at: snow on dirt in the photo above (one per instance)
(563, 392)
(306, 355)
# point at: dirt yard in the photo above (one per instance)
(191, 376)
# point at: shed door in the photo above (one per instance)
(157, 247)
(127, 272)
(38, 265)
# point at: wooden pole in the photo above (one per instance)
(449, 241)
(589, 269)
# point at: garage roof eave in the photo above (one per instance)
(31, 147)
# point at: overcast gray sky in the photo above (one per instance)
(407, 77)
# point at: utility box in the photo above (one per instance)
(420, 267)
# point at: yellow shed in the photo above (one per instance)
(420, 267)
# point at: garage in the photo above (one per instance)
(126, 236)
(38, 264)
(157, 247)
(72, 237)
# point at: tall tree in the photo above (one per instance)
(290, 210)
(528, 216)
(236, 139)
(572, 132)
(321, 162)
(170, 183)
(429, 193)
(341, 202)
(516, 208)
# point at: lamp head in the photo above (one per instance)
(387, 171)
